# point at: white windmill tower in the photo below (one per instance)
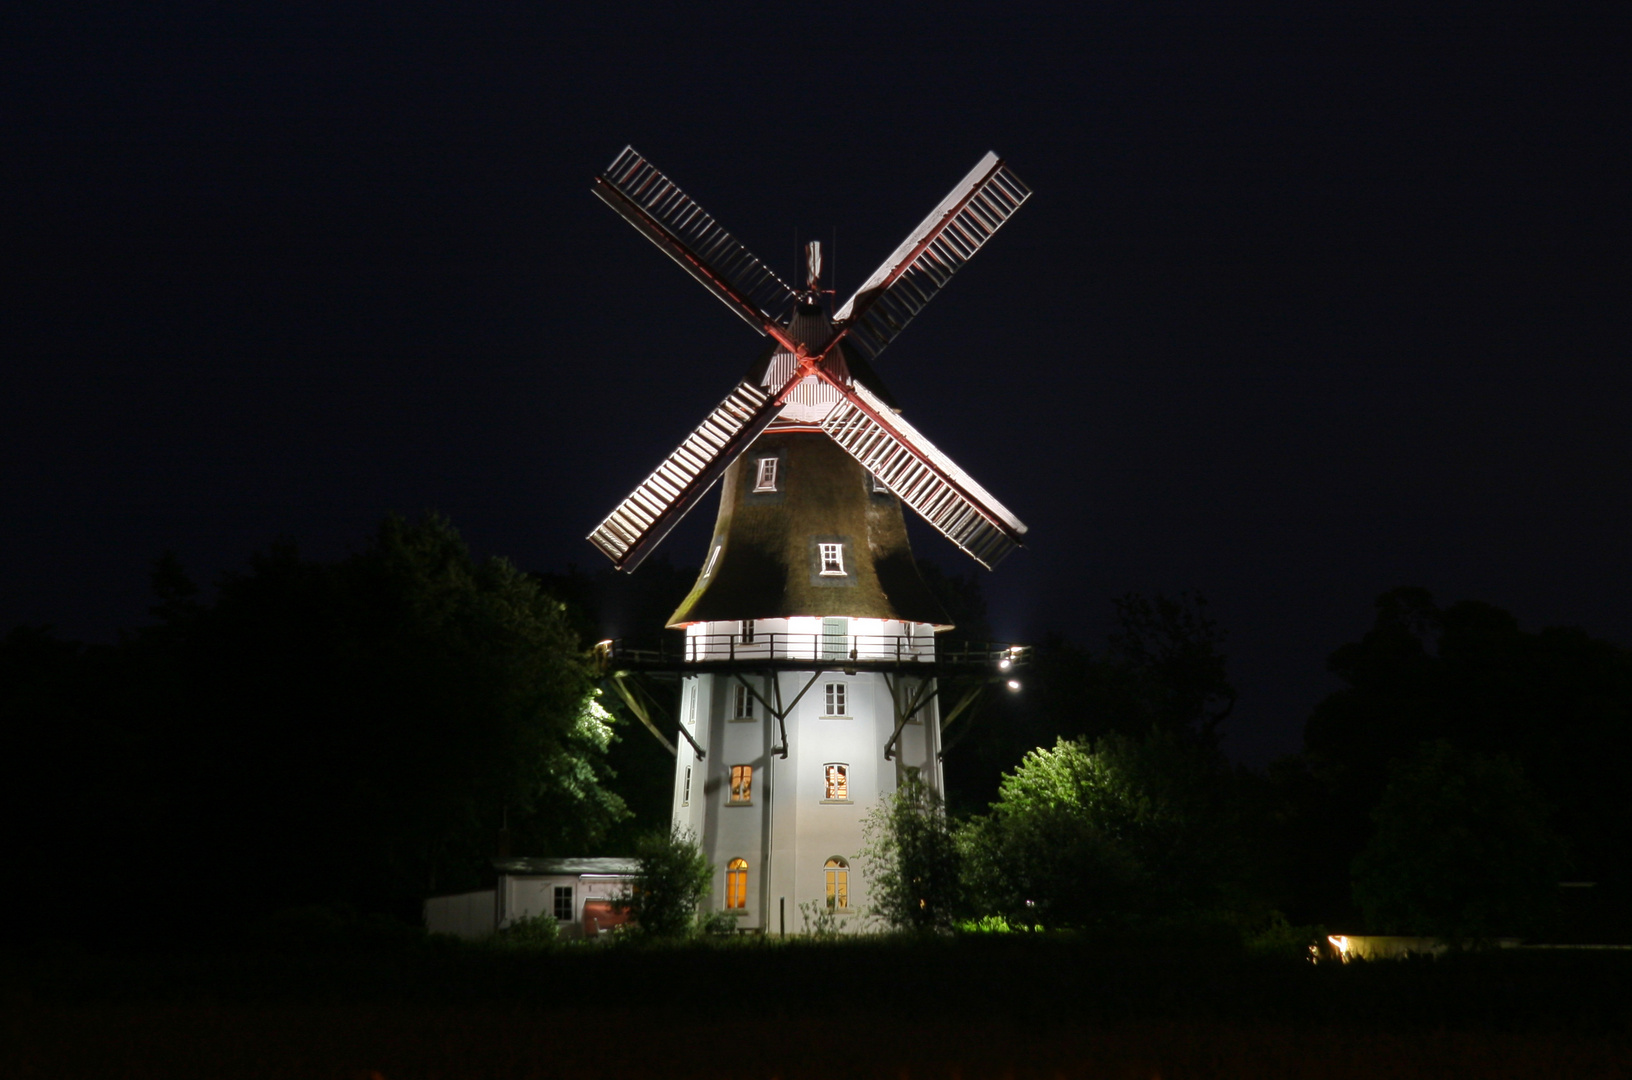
(810, 675)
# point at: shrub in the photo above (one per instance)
(540, 931)
(911, 860)
(670, 883)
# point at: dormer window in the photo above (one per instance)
(832, 560)
(765, 474)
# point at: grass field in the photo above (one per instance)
(956, 1009)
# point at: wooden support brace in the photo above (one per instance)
(904, 716)
(777, 710)
(642, 714)
(972, 701)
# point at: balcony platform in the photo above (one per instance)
(920, 656)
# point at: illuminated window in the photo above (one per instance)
(837, 699)
(736, 885)
(685, 792)
(765, 477)
(742, 784)
(832, 559)
(746, 632)
(838, 884)
(836, 782)
(745, 703)
(563, 903)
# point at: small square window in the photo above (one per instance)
(563, 903)
(832, 559)
(836, 781)
(765, 475)
(744, 704)
(837, 705)
(742, 784)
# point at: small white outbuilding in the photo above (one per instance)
(578, 893)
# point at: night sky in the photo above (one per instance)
(1308, 303)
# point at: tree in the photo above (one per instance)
(606, 603)
(671, 881)
(1162, 669)
(911, 861)
(366, 727)
(1104, 833)
(1462, 849)
(1555, 702)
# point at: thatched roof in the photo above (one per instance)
(768, 564)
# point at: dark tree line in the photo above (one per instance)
(355, 733)
(1462, 696)
(362, 732)
(1464, 770)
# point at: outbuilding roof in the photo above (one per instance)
(557, 867)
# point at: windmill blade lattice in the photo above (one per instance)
(926, 260)
(643, 519)
(923, 477)
(689, 235)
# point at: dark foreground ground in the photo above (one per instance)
(965, 1009)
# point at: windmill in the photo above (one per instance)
(809, 610)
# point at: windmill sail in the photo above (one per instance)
(923, 477)
(672, 220)
(926, 260)
(642, 520)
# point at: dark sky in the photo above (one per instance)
(1308, 304)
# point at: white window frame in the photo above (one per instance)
(731, 786)
(742, 703)
(685, 791)
(879, 487)
(827, 782)
(713, 557)
(836, 694)
(736, 866)
(832, 558)
(765, 474)
(555, 899)
(834, 872)
(745, 632)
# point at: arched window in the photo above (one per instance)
(736, 885)
(838, 884)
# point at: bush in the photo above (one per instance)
(1109, 833)
(670, 883)
(911, 860)
(540, 931)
